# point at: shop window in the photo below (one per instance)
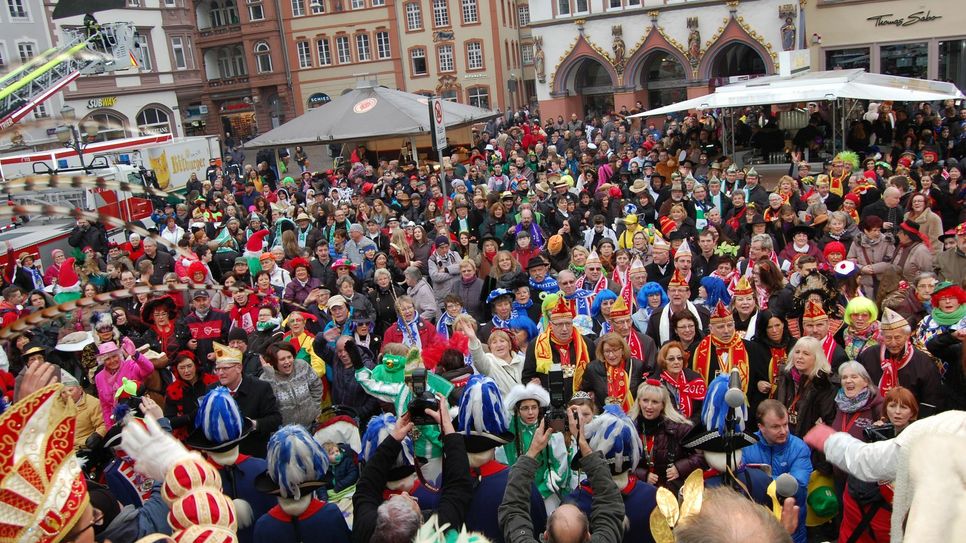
(905, 59)
(263, 57)
(479, 97)
(847, 59)
(418, 58)
(952, 62)
(152, 120)
(109, 126)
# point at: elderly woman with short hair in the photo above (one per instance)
(805, 387)
(858, 402)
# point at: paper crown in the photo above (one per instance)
(256, 241)
(637, 265)
(891, 320)
(619, 309)
(482, 415)
(677, 280)
(613, 434)
(660, 244)
(224, 353)
(593, 257)
(743, 287)
(721, 313)
(377, 430)
(814, 312)
(42, 488)
(531, 391)
(295, 458)
(683, 250)
(561, 308)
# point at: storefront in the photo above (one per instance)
(238, 119)
(127, 116)
(924, 39)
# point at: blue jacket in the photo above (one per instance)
(792, 457)
(320, 518)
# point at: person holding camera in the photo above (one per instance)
(527, 406)
(568, 522)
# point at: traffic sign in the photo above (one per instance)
(438, 127)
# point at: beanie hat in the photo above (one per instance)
(834, 247)
(256, 241)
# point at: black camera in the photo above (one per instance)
(422, 400)
(884, 432)
(556, 417)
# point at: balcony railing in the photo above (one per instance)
(228, 81)
(217, 31)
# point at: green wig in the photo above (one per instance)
(860, 304)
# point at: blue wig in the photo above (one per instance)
(294, 458)
(599, 300)
(717, 290)
(523, 322)
(218, 416)
(649, 288)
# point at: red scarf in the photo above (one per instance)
(634, 342)
(891, 367)
(730, 355)
(618, 386)
(621, 277)
(828, 345)
(687, 392)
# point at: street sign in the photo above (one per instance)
(438, 127)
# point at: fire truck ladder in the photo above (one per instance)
(105, 48)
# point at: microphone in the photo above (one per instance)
(734, 398)
(786, 486)
(734, 380)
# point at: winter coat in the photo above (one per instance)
(913, 259)
(810, 400)
(384, 303)
(505, 374)
(181, 402)
(427, 333)
(854, 423)
(951, 266)
(792, 457)
(134, 369)
(444, 272)
(667, 450)
(426, 304)
(906, 303)
(296, 292)
(299, 394)
(877, 254)
(471, 295)
(595, 379)
(930, 226)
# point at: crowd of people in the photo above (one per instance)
(588, 296)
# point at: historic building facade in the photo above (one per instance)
(593, 56)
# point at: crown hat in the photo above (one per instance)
(295, 463)
(677, 280)
(814, 312)
(892, 320)
(42, 487)
(219, 424)
(561, 308)
(721, 313)
(482, 416)
(619, 309)
(743, 287)
(226, 354)
(614, 435)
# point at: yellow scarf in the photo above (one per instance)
(579, 358)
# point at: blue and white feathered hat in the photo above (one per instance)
(482, 417)
(219, 425)
(714, 415)
(296, 464)
(379, 428)
(613, 434)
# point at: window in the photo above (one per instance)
(263, 57)
(255, 11)
(526, 54)
(414, 17)
(479, 97)
(40, 111)
(152, 120)
(440, 13)
(225, 66)
(358, 4)
(471, 12)
(318, 6)
(215, 14)
(580, 6)
(110, 126)
(298, 8)
(382, 45)
(304, 53)
(952, 62)
(474, 55)
(170, 3)
(3, 56)
(18, 9)
(177, 49)
(238, 60)
(418, 57)
(449, 95)
(615, 4)
(342, 50)
(523, 15)
(846, 59)
(905, 59)
(26, 50)
(231, 14)
(633, 2)
(446, 61)
(378, 3)
(363, 51)
(563, 7)
(325, 55)
(134, 3)
(142, 52)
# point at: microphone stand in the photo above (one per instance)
(728, 478)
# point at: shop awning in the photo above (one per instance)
(816, 87)
(367, 112)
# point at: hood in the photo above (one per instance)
(124, 527)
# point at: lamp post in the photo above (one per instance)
(70, 134)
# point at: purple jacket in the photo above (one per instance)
(296, 292)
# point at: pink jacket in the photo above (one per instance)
(107, 384)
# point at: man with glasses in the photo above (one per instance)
(723, 350)
(255, 398)
(559, 346)
(594, 279)
(642, 347)
(577, 299)
(679, 293)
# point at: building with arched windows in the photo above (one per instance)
(596, 56)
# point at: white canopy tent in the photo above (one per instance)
(815, 87)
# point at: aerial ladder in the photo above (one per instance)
(87, 50)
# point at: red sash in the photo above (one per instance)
(735, 356)
(688, 391)
(618, 386)
(634, 342)
(891, 367)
